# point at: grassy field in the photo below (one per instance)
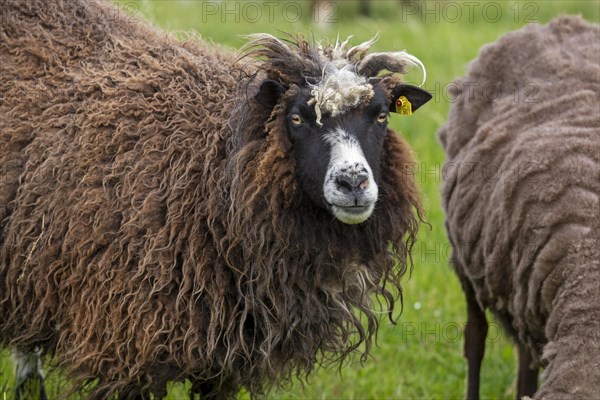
(421, 356)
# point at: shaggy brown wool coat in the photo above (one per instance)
(151, 228)
(522, 194)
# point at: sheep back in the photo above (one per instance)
(522, 189)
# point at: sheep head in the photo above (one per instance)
(336, 105)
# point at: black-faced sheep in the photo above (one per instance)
(522, 201)
(167, 213)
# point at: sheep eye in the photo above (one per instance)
(296, 119)
(382, 117)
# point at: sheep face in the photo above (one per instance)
(338, 162)
(338, 158)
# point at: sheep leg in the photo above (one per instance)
(528, 377)
(475, 334)
(206, 390)
(29, 374)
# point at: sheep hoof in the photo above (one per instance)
(29, 374)
(30, 388)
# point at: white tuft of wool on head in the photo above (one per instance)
(340, 91)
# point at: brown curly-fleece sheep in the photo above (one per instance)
(522, 201)
(153, 225)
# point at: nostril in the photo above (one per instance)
(344, 183)
(350, 183)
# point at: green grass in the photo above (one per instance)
(420, 357)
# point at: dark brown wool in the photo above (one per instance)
(151, 228)
(523, 195)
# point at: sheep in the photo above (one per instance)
(521, 196)
(170, 210)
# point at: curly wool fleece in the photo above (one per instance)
(151, 224)
(526, 239)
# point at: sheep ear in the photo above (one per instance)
(269, 92)
(406, 99)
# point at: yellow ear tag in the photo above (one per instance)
(403, 106)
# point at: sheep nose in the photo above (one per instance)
(349, 183)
